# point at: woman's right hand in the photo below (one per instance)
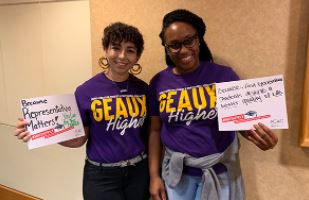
(21, 130)
(157, 189)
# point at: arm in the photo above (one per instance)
(156, 188)
(76, 142)
(22, 134)
(261, 136)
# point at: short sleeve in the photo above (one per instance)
(82, 107)
(233, 75)
(152, 100)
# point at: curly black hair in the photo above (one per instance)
(118, 32)
(182, 15)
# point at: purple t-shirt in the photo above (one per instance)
(115, 114)
(187, 106)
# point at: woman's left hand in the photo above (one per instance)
(262, 136)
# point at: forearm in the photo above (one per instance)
(76, 142)
(155, 150)
(156, 187)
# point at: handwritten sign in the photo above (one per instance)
(51, 119)
(241, 104)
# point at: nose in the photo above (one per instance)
(122, 54)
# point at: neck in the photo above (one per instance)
(116, 77)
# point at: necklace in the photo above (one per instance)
(120, 86)
(123, 86)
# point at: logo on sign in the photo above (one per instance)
(241, 118)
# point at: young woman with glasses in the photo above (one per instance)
(199, 161)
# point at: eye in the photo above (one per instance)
(174, 46)
(131, 50)
(188, 41)
(115, 47)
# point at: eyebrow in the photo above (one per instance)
(132, 47)
(185, 38)
(119, 44)
(115, 43)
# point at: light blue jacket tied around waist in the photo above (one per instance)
(172, 171)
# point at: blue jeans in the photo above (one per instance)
(190, 188)
(116, 183)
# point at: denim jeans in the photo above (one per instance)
(116, 183)
(190, 188)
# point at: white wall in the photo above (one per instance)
(44, 50)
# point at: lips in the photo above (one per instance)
(186, 59)
(122, 64)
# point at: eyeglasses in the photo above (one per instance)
(188, 43)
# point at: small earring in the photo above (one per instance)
(135, 69)
(103, 63)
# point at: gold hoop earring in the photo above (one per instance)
(135, 69)
(103, 63)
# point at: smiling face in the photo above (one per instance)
(183, 35)
(121, 57)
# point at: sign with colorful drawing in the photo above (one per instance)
(240, 104)
(51, 119)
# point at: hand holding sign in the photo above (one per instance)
(261, 136)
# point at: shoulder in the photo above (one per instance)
(218, 67)
(138, 83)
(90, 83)
(220, 72)
(160, 76)
(136, 80)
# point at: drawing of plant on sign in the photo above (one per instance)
(70, 120)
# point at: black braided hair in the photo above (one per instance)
(118, 32)
(182, 15)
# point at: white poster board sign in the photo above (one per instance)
(243, 103)
(51, 119)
